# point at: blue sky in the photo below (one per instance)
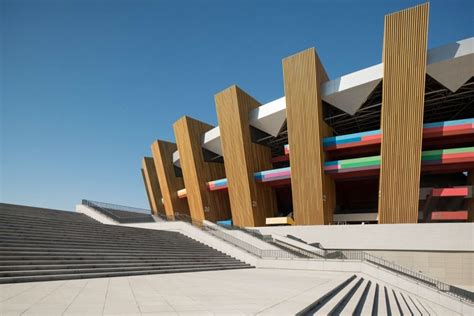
(86, 86)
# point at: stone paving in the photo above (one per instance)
(233, 292)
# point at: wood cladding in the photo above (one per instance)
(152, 186)
(251, 202)
(203, 204)
(147, 190)
(169, 183)
(403, 94)
(313, 191)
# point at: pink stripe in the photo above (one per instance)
(276, 174)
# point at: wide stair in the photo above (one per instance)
(359, 295)
(41, 245)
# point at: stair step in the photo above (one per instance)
(351, 306)
(108, 274)
(405, 310)
(333, 303)
(393, 302)
(413, 309)
(4, 274)
(38, 245)
(382, 301)
(108, 265)
(368, 307)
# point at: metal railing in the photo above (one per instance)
(358, 255)
(107, 208)
(288, 251)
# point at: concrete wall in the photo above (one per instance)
(454, 268)
(444, 251)
(424, 237)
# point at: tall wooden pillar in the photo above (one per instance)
(251, 202)
(147, 191)
(203, 204)
(169, 183)
(403, 96)
(152, 186)
(313, 191)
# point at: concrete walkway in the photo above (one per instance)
(234, 292)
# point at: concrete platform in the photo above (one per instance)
(235, 292)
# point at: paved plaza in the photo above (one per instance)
(234, 292)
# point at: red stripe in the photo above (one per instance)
(448, 128)
(372, 137)
(450, 192)
(449, 216)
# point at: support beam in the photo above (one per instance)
(203, 204)
(152, 186)
(169, 182)
(313, 192)
(403, 96)
(251, 202)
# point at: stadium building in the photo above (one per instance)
(391, 143)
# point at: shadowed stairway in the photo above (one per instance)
(40, 245)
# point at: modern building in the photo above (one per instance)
(391, 143)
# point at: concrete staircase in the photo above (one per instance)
(41, 245)
(359, 295)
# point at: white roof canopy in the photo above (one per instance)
(451, 65)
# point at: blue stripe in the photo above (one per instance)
(350, 137)
(449, 123)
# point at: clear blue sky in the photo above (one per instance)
(86, 86)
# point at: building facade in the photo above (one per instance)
(391, 143)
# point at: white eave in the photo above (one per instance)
(451, 65)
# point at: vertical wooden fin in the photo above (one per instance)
(203, 204)
(313, 191)
(169, 183)
(403, 96)
(251, 202)
(152, 186)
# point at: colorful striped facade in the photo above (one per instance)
(367, 142)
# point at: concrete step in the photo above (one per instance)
(6, 263)
(91, 244)
(392, 302)
(328, 291)
(108, 274)
(402, 305)
(24, 273)
(16, 249)
(369, 305)
(355, 298)
(71, 237)
(101, 256)
(87, 265)
(337, 300)
(63, 246)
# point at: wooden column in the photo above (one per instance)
(203, 204)
(152, 186)
(313, 192)
(169, 183)
(403, 97)
(251, 202)
(147, 191)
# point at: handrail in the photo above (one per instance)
(118, 207)
(457, 292)
(104, 209)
